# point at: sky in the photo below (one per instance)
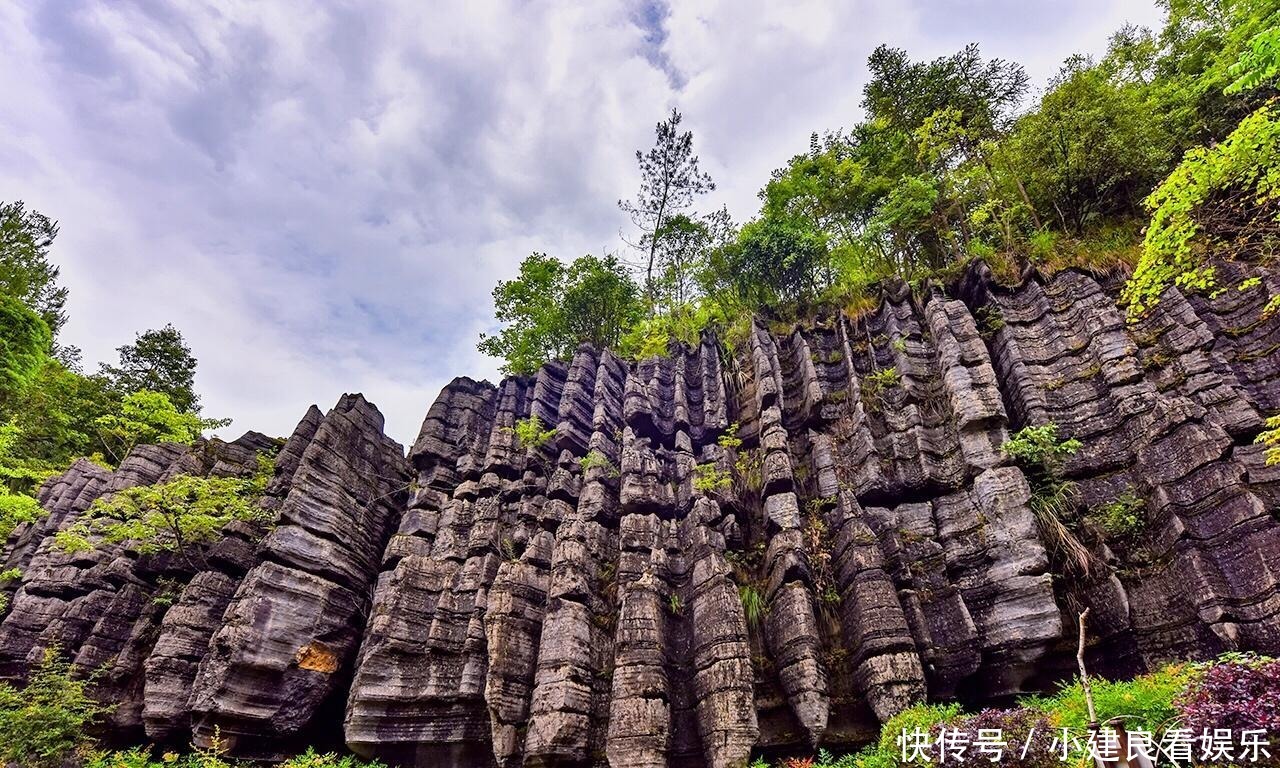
(321, 196)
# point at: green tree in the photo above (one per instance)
(1092, 148)
(157, 361)
(16, 477)
(57, 414)
(24, 344)
(149, 417)
(179, 515)
(550, 308)
(26, 273)
(670, 180)
(775, 262)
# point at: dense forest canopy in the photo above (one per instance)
(1146, 160)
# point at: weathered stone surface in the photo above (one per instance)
(644, 589)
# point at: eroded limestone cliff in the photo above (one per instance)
(582, 602)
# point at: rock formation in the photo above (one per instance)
(717, 552)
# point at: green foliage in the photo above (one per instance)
(1093, 149)
(178, 515)
(56, 415)
(1122, 518)
(26, 274)
(1039, 446)
(157, 361)
(774, 261)
(708, 478)
(1041, 454)
(551, 308)
(675, 604)
(1259, 64)
(876, 382)
(595, 459)
(24, 342)
(1145, 703)
(1270, 437)
(754, 606)
(16, 509)
(140, 757)
(530, 434)
(42, 724)
(149, 417)
(1224, 196)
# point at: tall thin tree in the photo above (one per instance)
(670, 179)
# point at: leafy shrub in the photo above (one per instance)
(595, 459)
(1240, 692)
(1122, 518)
(1039, 446)
(140, 757)
(16, 509)
(709, 479)
(875, 383)
(1270, 437)
(43, 723)
(531, 434)
(149, 417)
(1225, 194)
(312, 759)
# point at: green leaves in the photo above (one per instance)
(1206, 201)
(551, 308)
(24, 342)
(178, 515)
(41, 724)
(149, 417)
(157, 361)
(26, 273)
(1258, 64)
(530, 434)
(1040, 446)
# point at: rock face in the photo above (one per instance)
(715, 553)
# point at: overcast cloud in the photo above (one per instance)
(321, 196)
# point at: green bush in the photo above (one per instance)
(140, 757)
(42, 724)
(531, 434)
(1123, 517)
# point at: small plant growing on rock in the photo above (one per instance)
(1270, 437)
(754, 606)
(1041, 455)
(1123, 517)
(989, 320)
(530, 432)
(875, 383)
(595, 459)
(708, 478)
(675, 605)
(1039, 446)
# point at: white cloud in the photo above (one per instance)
(321, 197)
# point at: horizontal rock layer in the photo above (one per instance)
(718, 552)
